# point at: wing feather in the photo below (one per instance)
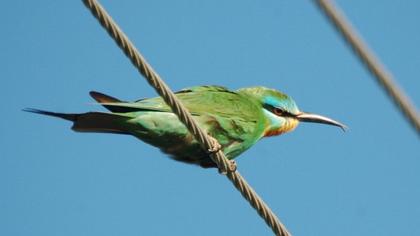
(199, 100)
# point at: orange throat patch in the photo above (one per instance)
(288, 126)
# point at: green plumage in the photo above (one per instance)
(237, 119)
(232, 118)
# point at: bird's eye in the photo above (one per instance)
(278, 111)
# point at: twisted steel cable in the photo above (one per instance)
(207, 142)
(383, 77)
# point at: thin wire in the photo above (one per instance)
(207, 142)
(383, 77)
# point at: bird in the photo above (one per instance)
(236, 119)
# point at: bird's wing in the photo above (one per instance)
(199, 100)
(230, 117)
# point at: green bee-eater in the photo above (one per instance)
(237, 119)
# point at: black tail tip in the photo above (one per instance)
(70, 117)
(33, 110)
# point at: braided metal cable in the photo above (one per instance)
(383, 77)
(207, 142)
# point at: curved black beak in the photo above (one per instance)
(308, 117)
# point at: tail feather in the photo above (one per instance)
(97, 122)
(100, 122)
(69, 117)
(103, 98)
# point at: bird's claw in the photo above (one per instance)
(215, 146)
(230, 168)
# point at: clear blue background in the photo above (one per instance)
(319, 180)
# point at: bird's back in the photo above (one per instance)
(235, 120)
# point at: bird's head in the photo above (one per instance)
(281, 112)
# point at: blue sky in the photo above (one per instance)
(319, 180)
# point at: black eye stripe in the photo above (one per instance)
(277, 110)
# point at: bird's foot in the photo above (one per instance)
(215, 145)
(230, 168)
